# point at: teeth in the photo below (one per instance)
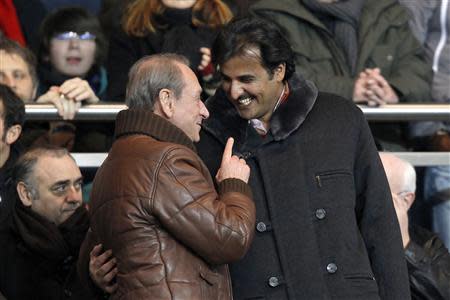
(245, 101)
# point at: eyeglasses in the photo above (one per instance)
(402, 194)
(70, 35)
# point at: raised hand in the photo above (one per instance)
(232, 166)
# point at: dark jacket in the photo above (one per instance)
(7, 190)
(428, 265)
(38, 259)
(326, 226)
(154, 204)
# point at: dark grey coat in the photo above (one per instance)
(326, 226)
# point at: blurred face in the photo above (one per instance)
(15, 73)
(179, 4)
(250, 87)
(59, 181)
(72, 54)
(189, 110)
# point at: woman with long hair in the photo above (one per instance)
(154, 26)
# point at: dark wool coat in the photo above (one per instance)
(326, 226)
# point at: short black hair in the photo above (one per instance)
(253, 32)
(76, 19)
(13, 107)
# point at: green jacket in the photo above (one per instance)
(385, 40)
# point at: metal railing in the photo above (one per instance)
(392, 112)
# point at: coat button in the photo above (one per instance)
(67, 293)
(273, 281)
(261, 227)
(246, 155)
(331, 268)
(321, 213)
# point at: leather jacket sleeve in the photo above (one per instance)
(217, 227)
(429, 269)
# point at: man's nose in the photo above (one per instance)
(74, 195)
(203, 110)
(235, 90)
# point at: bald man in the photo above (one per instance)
(427, 258)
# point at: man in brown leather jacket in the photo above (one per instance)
(153, 201)
(427, 257)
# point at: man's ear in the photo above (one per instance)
(279, 72)
(24, 193)
(409, 198)
(12, 134)
(166, 103)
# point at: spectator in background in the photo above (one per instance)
(70, 59)
(12, 118)
(40, 250)
(358, 49)
(427, 257)
(18, 69)
(71, 54)
(156, 26)
(430, 21)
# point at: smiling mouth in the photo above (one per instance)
(245, 101)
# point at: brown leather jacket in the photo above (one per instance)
(154, 204)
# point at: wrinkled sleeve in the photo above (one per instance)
(217, 226)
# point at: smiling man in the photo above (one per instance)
(326, 227)
(153, 201)
(40, 250)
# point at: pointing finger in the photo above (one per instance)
(228, 151)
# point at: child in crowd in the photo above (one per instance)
(70, 57)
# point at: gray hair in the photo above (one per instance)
(409, 177)
(149, 75)
(24, 169)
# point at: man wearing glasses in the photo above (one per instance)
(427, 258)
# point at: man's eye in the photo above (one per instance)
(59, 189)
(19, 76)
(78, 185)
(246, 80)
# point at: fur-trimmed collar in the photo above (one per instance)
(225, 121)
(141, 121)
